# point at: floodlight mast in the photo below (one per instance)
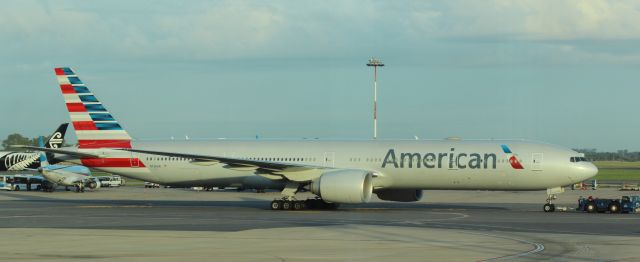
(375, 62)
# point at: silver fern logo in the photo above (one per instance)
(20, 161)
(56, 140)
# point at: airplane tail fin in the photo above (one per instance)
(43, 156)
(57, 138)
(95, 127)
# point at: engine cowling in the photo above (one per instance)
(344, 186)
(92, 184)
(399, 195)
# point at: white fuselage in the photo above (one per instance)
(401, 164)
(63, 178)
(65, 175)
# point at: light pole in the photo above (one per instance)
(375, 62)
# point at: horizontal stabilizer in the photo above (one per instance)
(58, 151)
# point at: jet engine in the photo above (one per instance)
(399, 195)
(92, 184)
(344, 186)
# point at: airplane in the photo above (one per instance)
(337, 172)
(63, 175)
(12, 162)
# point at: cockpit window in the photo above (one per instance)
(578, 159)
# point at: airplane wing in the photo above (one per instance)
(294, 172)
(19, 172)
(58, 151)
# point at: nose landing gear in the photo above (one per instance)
(548, 207)
(552, 195)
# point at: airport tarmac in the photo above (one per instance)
(138, 224)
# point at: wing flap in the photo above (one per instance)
(234, 163)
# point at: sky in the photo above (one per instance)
(558, 71)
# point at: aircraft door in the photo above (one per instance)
(135, 161)
(329, 159)
(536, 162)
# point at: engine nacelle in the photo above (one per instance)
(344, 186)
(399, 195)
(93, 184)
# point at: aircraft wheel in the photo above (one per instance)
(614, 208)
(298, 205)
(549, 207)
(276, 205)
(286, 205)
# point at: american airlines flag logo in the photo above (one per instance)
(513, 160)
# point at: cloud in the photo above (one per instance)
(205, 30)
(533, 19)
(219, 29)
(569, 20)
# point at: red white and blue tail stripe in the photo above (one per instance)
(95, 127)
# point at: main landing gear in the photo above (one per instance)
(79, 188)
(316, 203)
(552, 195)
(289, 202)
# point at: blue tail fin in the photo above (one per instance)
(43, 156)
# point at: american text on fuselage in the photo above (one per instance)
(435, 160)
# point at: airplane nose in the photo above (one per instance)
(586, 170)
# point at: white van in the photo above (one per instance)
(111, 181)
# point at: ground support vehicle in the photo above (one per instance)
(20, 182)
(111, 181)
(625, 204)
(151, 185)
